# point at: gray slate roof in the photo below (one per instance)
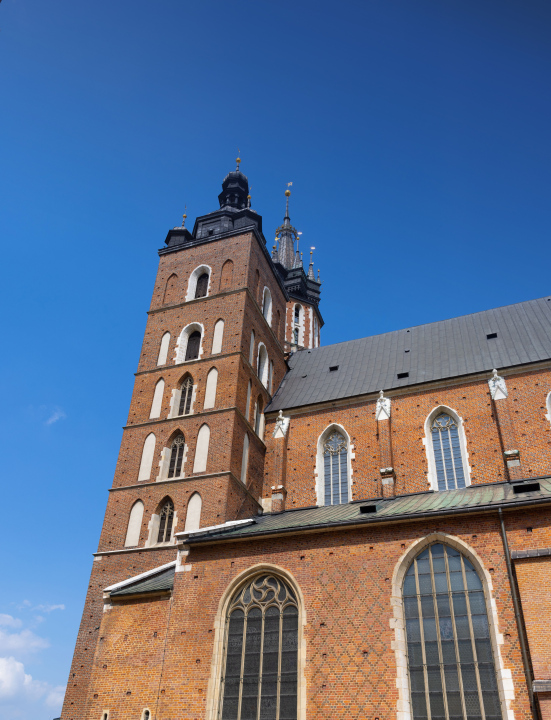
(154, 583)
(473, 498)
(440, 350)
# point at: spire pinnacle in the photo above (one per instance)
(286, 234)
(238, 160)
(311, 268)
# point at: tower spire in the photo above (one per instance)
(287, 235)
(311, 268)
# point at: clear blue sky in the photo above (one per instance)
(417, 138)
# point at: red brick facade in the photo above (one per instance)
(158, 652)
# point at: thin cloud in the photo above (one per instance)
(49, 608)
(9, 621)
(22, 643)
(58, 414)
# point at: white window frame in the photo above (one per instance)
(147, 458)
(192, 282)
(164, 347)
(200, 460)
(134, 524)
(181, 344)
(211, 386)
(158, 397)
(218, 337)
(319, 471)
(432, 476)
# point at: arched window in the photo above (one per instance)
(259, 417)
(202, 285)
(298, 308)
(186, 395)
(226, 277)
(210, 389)
(218, 337)
(177, 451)
(193, 344)
(166, 518)
(335, 468)
(267, 306)
(198, 285)
(157, 399)
(171, 290)
(146, 715)
(202, 449)
(450, 657)
(163, 350)
(447, 455)
(316, 333)
(262, 366)
(245, 459)
(251, 348)
(134, 525)
(193, 514)
(147, 457)
(248, 405)
(260, 666)
(295, 335)
(548, 416)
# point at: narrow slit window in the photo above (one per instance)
(185, 397)
(452, 674)
(260, 670)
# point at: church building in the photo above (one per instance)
(360, 531)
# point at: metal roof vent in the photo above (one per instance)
(491, 336)
(332, 368)
(402, 375)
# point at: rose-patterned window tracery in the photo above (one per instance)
(260, 670)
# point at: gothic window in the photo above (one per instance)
(248, 406)
(335, 468)
(446, 446)
(193, 345)
(260, 670)
(295, 336)
(450, 657)
(251, 348)
(210, 389)
(226, 276)
(147, 457)
(297, 314)
(134, 525)
(267, 306)
(176, 456)
(171, 290)
(263, 366)
(185, 396)
(202, 449)
(166, 518)
(193, 514)
(259, 417)
(146, 715)
(202, 285)
(163, 349)
(245, 459)
(217, 337)
(157, 402)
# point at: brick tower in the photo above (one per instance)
(192, 453)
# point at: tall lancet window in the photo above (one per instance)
(335, 469)
(451, 665)
(185, 397)
(166, 518)
(260, 670)
(176, 456)
(450, 473)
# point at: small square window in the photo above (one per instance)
(491, 336)
(332, 368)
(400, 376)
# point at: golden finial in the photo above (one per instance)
(238, 160)
(184, 216)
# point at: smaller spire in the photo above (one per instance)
(298, 256)
(238, 160)
(184, 216)
(249, 197)
(274, 251)
(319, 276)
(311, 275)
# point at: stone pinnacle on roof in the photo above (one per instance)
(298, 255)
(311, 268)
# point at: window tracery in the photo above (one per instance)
(176, 456)
(450, 473)
(185, 396)
(166, 518)
(335, 468)
(450, 657)
(260, 669)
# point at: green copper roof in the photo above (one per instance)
(163, 581)
(474, 498)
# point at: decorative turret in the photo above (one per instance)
(235, 189)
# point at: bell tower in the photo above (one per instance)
(303, 320)
(192, 452)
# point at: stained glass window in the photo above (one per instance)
(335, 469)
(185, 396)
(450, 658)
(260, 671)
(447, 453)
(176, 456)
(165, 522)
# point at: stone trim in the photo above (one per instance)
(213, 689)
(521, 554)
(397, 623)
